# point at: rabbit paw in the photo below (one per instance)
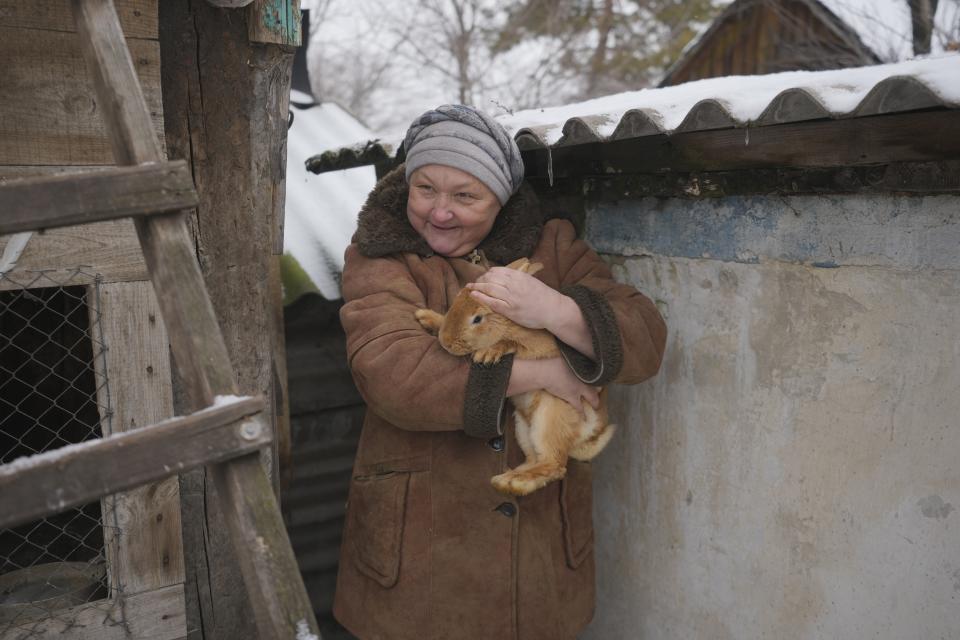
(489, 356)
(522, 482)
(517, 484)
(429, 319)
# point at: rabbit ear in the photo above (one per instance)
(520, 264)
(523, 265)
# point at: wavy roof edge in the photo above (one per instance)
(896, 93)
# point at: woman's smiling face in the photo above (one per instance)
(450, 209)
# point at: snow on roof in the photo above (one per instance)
(742, 100)
(321, 211)
(885, 25)
(717, 103)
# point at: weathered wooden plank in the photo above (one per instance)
(153, 615)
(274, 22)
(49, 113)
(46, 483)
(143, 539)
(137, 17)
(119, 192)
(904, 177)
(76, 255)
(248, 497)
(16, 172)
(272, 580)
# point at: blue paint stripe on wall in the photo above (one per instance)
(823, 231)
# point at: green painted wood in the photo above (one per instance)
(275, 22)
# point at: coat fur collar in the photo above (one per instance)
(382, 227)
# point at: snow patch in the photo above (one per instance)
(54, 455)
(304, 633)
(28, 462)
(223, 401)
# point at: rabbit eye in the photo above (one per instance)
(476, 319)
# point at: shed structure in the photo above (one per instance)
(755, 37)
(84, 353)
(791, 471)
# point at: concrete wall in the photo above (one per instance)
(794, 470)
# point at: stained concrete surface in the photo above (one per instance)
(792, 472)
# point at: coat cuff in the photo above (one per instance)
(486, 398)
(605, 334)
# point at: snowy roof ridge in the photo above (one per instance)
(717, 103)
(739, 101)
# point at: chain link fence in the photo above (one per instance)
(53, 392)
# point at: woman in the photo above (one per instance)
(430, 550)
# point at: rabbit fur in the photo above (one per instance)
(548, 429)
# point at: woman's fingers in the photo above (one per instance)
(489, 288)
(526, 300)
(496, 304)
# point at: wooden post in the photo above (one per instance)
(149, 553)
(235, 138)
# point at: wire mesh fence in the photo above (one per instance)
(53, 392)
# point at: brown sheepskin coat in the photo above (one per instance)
(430, 550)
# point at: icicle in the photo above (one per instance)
(549, 166)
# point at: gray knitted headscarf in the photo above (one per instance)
(465, 138)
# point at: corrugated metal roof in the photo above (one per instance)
(321, 212)
(716, 103)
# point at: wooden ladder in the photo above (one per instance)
(225, 433)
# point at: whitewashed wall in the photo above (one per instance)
(793, 470)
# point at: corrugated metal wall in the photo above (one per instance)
(326, 414)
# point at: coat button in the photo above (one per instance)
(507, 508)
(496, 443)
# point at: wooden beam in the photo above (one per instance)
(47, 483)
(269, 567)
(119, 192)
(153, 615)
(904, 137)
(903, 177)
(111, 247)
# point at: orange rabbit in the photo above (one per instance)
(548, 429)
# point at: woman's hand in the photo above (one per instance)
(518, 296)
(554, 376)
(535, 305)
